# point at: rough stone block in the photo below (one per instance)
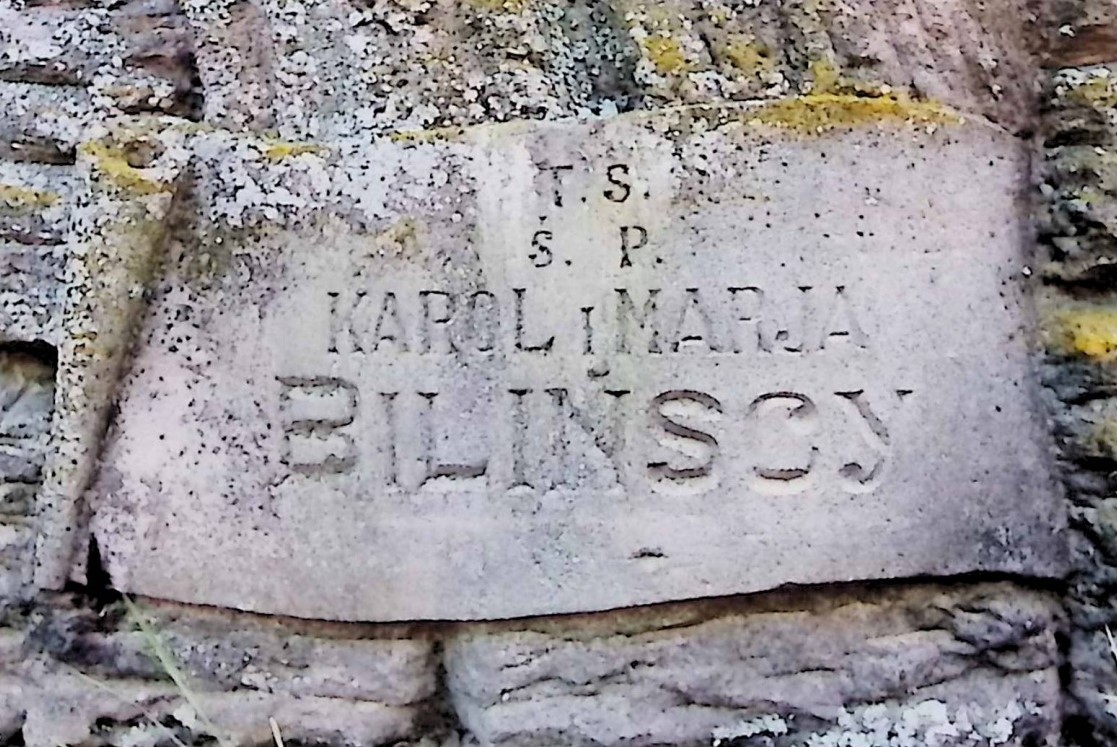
(63, 707)
(233, 652)
(943, 667)
(26, 404)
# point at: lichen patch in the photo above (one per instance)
(26, 198)
(818, 113)
(111, 162)
(1091, 332)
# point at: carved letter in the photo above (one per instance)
(788, 446)
(842, 322)
(359, 321)
(484, 316)
(792, 337)
(519, 439)
(543, 347)
(629, 243)
(857, 478)
(587, 329)
(617, 195)
(388, 325)
(434, 468)
(313, 409)
(556, 181)
(443, 318)
(541, 254)
(693, 308)
(626, 313)
(389, 401)
(699, 446)
(753, 316)
(607, 440)
(335, 322)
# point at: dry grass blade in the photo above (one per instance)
(151, 720)
(275, 732)
(1109, 698)
(166, 660)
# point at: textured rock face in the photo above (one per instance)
(102, 104)
(787, 669)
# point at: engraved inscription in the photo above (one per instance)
(585, 434)
(737, 319)
(563, 437)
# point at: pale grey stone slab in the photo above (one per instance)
(409, 380)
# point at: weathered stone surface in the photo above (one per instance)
(355, 69)
(336, 68)
(52, 707)
(121, 675)
(116, 230)
(369, 374)
(970, 666)
(34, 202)
(220, 652)
(26, 402)
(26, 397)
(1079, 310)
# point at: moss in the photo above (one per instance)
(817, 113)
(1091, 332)
(666, 54)
(25, 198)
(111, 162)
(279, 150)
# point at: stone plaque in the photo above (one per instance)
(564, 367)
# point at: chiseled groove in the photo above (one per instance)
(28, 236)
(36, 149)
(55, 74)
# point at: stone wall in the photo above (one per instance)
(960, 661)
(1077, 303)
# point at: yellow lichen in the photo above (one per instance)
(1098, 93)
(749, 57)
(111, 162)
(499, 6)
(826, 78)
(279, 150)
(665, 53)
(400, 240)
(430, 135)
(718, 16)
(25, 198)
(816, 113)
(1091, 332)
